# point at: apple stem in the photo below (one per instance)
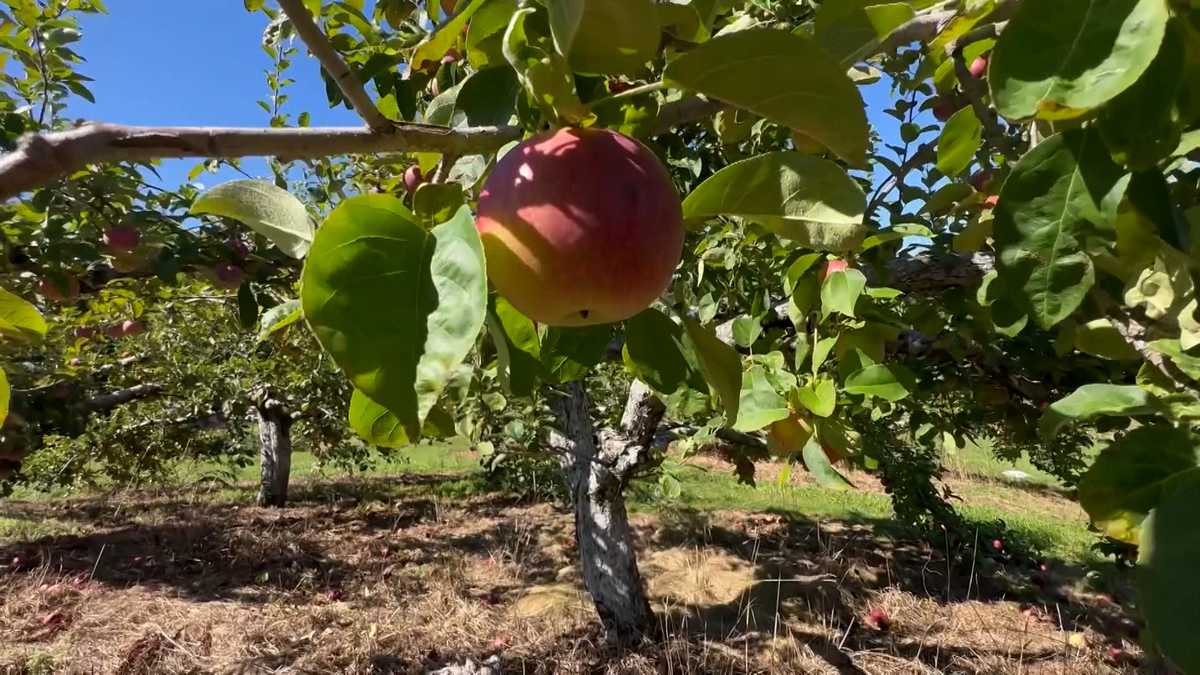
(629, 93)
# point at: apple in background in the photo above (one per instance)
(981, 180)
(52, 290)
(228, 275)
(991, 201)
(84, 332)
(998, 544)
(238, 248)
(452, 56)
(978, 67)
(121, 239)
(878, 620)
(126, 328)
(944, 109)
(413, 178)
(835, 265)
(580, 227)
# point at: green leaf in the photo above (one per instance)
(569, 353)
(1168, 586)
(850, 29)
(819, 396)
(279, 317)
(688, 20)
(437, 202)
(5, 396)
(1101, 338)
(485, 33)
(518, 347)
(1142, 126)
(1094, 400)
(374, 424)
(434, 47)
(19, 319)
(891, 383)
(612, 37)
(804, 198)
(759, 404)
(817, 463)
(840, 292)
(1059, 60)
(264, 208)
(488, 97)
(960, 140)
(397, 307)
(1127, 478)
(653, 351)
(543, 72)
(719, 364)
(1060, 195)
(247, 306)
(757, 70)
(821, 352)
(1190, 365)
(746, 330)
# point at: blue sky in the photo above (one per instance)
(165, 62)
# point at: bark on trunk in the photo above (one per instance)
(597, 470)
(275, 451)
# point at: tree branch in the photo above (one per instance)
(39, 159)
(335, 65)
(976, 90)
(122, 396)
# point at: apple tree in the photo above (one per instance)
(506, 206)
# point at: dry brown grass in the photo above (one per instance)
(174, 585)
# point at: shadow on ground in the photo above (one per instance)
(410, 580)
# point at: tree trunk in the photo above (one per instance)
(275, 450)
(596, 471)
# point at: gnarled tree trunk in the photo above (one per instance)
(597, 471)
(275, 449)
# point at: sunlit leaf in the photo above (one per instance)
(264, 208)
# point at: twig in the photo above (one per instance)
(443, 168)
(629, 93)
(976, 91)
(334, 64)
(40, 158)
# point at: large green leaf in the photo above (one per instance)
(960, 140)
(1168, 582)
(1059, 196)
(1061, 59)
(818, 464)
(485, 33)
(820, 395)
(19, 319)
(891, 383)
(612, 37)
(850, 29)
(443, 37)
(543, 72)
(569, 353)
(1142, 126)
(804, 198)
(397, 307)
(268, 210)
(1094, 400)
(1172, 349)
(1126, 480)
(279, 317)
(374, 423)
(759, 404)
(5, 396)
(719, 364)
(518, 348)
(653, 351)
(840, 292)
(785, 77)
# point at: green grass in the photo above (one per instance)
(700, 489)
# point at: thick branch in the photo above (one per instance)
(333, 64)
(39, 159)
(122, 396)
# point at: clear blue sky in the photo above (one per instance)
(168, 62)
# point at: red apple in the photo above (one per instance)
(878, 619)
(122, 239)
(413, 178)
(978, 67)
(580, 227)
(616, 86)
(991, 201)
(238, 248)
(228, 275)
(448, 7)
(998, 544)
(1116, 654)
(944, 109)
(835, 265)
(127, 328)
(980, 180)
(85, 332)
(54, 290)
